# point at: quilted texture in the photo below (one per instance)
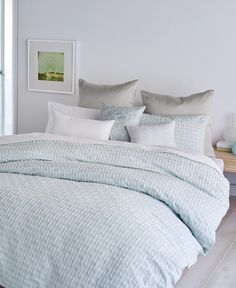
(189, 130)
(100, 216)
(123, 116)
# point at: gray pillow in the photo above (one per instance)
(195, 104)
(189, 129)
(93, 95)
(123, 116)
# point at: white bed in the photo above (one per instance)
(184, 179)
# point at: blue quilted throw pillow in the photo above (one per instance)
(123, 116)
(189, 129)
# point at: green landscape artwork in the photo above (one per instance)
(51, 66)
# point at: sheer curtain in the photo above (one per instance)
(1, 65)
(7, 57)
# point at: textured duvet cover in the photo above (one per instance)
(79, 214)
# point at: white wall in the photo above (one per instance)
(177, 47)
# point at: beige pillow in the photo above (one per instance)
(195, 104)
(92, 95)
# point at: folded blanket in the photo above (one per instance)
(102, 215)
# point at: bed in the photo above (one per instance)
(110, 196)
(83, 213)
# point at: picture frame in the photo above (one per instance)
(51, 66)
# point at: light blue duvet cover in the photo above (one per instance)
(86, 215)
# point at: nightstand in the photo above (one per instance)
(229, 161)
(229, 168)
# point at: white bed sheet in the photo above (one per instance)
(219, 162)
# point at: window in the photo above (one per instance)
(1, 65)
(7, 8)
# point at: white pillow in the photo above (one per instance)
(156, 135)
(73, 111)
(83, 128)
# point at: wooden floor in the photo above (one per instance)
(218, 268)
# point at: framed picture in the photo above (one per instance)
(51, 66)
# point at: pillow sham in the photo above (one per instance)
(195, 104)
(93, 95)
(156, 135)
(189, 129)
(74, 111)
(123, 116)
(83, 128)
